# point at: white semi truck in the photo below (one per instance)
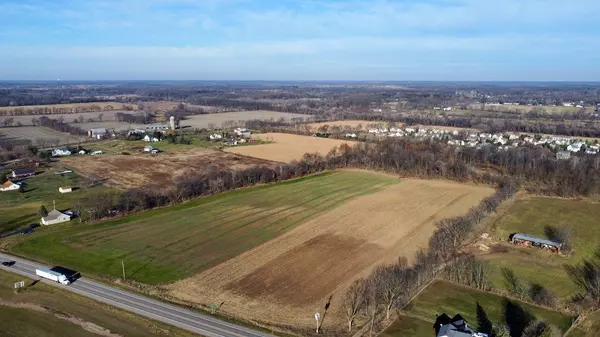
(52, 275)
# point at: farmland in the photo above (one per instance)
(144, 169)
(444, 297)
(43, 310)
(288, 147)
(176, 242)
(217, 119)
(17, 209)
(37, 135)
(70, 107)
(530, 215)
(81, 117)
(296, 272)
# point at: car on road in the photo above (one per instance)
(8, 263)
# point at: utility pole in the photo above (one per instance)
(123, 264)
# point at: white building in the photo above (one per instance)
(65, 189)
(148, 148)
(9, 186)
(97, 133)
(55, 217)
(61, 152)
(149, 138)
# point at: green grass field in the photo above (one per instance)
(445, 297)
(29, 322)
(18, 209)
(171, 243)
(530, 216)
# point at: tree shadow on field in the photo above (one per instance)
(516, 318)
(141, 268)
(483, 322)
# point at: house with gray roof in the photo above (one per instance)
(55, 217)
(456, 326)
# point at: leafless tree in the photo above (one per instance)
(373, 302)
(354, 301)
(540, 329)
(392, 283)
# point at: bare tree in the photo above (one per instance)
(587, 277)
(540, 329)
(373, 302)
(391, 284)
(354, 301)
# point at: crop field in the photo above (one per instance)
(43, 310)
(144, 169)
(294, 274)
(70, 106)
(35, 134)
(71, 118)
(444, 297)
(527, 108)
(172, 243)
(531, 215)
(217, 119)
(287, 147)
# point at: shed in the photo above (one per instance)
(526, 239)
(148, 148)
(67, 189)
(55, 217)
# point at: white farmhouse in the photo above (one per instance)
(9, 186)
(149, 138)
(55, 217)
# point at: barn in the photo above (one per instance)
(22, 173)
(528, 240)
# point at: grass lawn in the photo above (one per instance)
(530, 216)
(169, 244)
(29, 319)
(18, 209)
(445, 297)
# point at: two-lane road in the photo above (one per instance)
(141, 305)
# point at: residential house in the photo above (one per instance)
(22, 173)
(456, 326)
(97, 133)
(148, 148)
(61, 152)
(67, 189)
(55, 217)
(447, 109)
(215, 136)
(242, 132)
(81, 152)
(158, 127)
(9, 186)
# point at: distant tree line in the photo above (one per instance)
(59, 125)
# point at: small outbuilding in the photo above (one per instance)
(97, 133)
(148, 148)
(67, 189)
(55, 217)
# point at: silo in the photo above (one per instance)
(172, 122)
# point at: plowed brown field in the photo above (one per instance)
(285, 280)
(288, 147)
(145, 170)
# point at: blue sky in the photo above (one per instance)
(468, 40)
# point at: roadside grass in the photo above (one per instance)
(530, 215)
(445, 297)
(29, 322)
(168, 244)
(19, 209)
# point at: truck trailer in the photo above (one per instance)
(52, 275)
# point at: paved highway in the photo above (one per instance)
(144, 306)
